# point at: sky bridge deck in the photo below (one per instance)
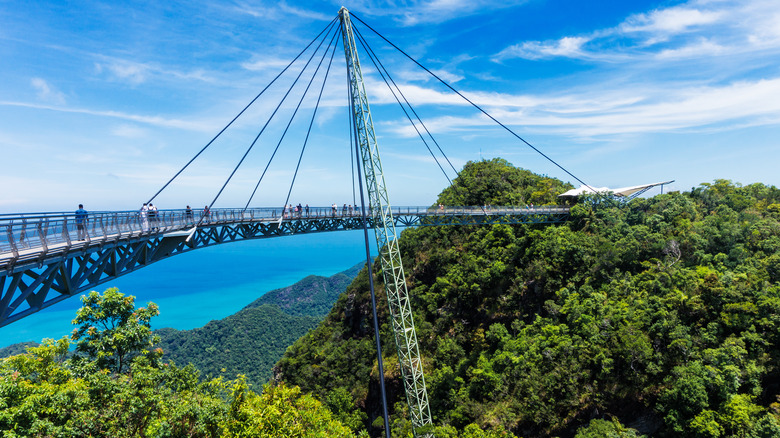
(48, 257)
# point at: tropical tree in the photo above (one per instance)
(116, 385)
(280, 411)
(110, 331)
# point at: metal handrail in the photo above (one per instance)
(39, 232)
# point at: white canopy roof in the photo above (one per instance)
(622, 191)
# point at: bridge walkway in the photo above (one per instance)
(44, 261)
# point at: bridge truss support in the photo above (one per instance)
(386, 237)
(40, 265)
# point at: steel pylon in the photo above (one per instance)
(386, 237)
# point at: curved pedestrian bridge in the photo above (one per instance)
(46, 257)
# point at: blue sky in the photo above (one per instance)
(101, 102)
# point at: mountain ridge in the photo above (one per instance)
(252, 340)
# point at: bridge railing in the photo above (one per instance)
(495, 210)
(39, 233)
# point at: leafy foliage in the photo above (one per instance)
(496, 182)
(249, 342)
(111, 331)
(112, 387)
(662, 315)
(280, 411)
(602, 428)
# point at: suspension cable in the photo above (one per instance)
(472, 103)
(371, 55)
(311, 123)
(329, 25)
(417, 116)
(268, 122)
(300, 101)
(370, 50)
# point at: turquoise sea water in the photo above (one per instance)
(211, 283)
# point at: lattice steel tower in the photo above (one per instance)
(386, 237)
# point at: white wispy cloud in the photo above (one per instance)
(702, 47)
(423, 95)
(415, 12)
(279, 10)
(257, 11)
(422, 76)
(303, 13)
(569, 47)
(265, 63)
(46, 92)
(763, 28)
(672, 20)
(133, 72)
(650, 110)
(690, 67)
(695, 30)
(191, 125)
(136, 73)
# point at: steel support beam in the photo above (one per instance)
(386, 238)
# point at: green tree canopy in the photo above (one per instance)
(659, 316)
(111, 331)
(497, 182)
(115, 387)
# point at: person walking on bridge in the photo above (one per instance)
(81, 222)
(153, 216)
(144, 217)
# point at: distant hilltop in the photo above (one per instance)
(252, 340)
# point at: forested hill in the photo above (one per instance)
(657, 317)
(251, 341)
(15, 349)
(311, 296)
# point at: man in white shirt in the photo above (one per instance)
(144, 217)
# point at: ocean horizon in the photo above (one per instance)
(194, 288)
